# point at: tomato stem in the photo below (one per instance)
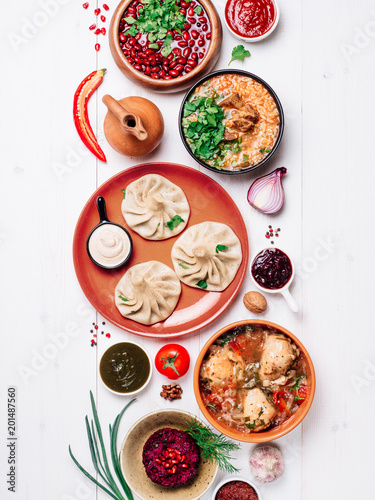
(170, 363)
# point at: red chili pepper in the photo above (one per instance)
(80, 112)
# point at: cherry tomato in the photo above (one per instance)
(172, 360)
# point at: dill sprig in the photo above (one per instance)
(214, 447)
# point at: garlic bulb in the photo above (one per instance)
(266, 193)
(267, 464)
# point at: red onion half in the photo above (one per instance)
(266, 194)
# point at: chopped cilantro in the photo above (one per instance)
(202, 284)
(123, 298)
(264, 150)
(198, 10)
(221, 248)
(183, 265)
(174, 222)
(124, 193)
(245, 158)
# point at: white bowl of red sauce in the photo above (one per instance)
(251, 20)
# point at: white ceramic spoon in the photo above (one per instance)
(284, 290)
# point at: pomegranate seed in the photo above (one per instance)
(196, 49)
(201, 43)
(157, 461)
(194, 34)
(204, 51)
(202, 20)
(201, 55)
(97, 12)
(85, 5)
(185, 4)
(191, 43)
(123, 38)
(183, 11)
(190, 12)
(97, 31)
(194, 57)
(92, 27)
(97, 47)
(184, 466)
(103, 19)
(191, 20)
(138, 36)
(105, 6)
(104, 31)
(204, 27)
(176, 51)
(187, 26)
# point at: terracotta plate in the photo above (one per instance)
(208, 202)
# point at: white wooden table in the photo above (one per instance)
(320, 63)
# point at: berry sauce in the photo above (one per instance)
(272, 268)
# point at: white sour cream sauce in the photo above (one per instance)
(109, 245)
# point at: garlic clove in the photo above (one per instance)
(267, 464)
(266, 193)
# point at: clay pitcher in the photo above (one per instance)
(133, 126)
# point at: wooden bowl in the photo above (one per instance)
(177, 84)
(278, 431)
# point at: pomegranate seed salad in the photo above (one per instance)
(164, 39)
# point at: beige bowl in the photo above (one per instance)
(134, 471)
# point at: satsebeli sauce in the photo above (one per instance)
(250, 18)
(109, 245)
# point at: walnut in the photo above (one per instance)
(255, 302)
(171, 392)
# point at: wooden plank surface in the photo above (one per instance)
(320, 63)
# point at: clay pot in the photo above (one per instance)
(133, 126)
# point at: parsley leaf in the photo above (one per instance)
(174, 222)
(183, 265)
(123, 298)
(202, 284)
(264, 150)
(124, 193)
(245, 158)
(221, 248)
(198, 10)
(239, 53)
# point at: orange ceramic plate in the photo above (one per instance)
(208, 202)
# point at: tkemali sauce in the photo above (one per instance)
(250, 18)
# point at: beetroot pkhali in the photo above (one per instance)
(170, 457)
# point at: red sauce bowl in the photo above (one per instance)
(251, 20)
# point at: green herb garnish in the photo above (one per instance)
(174, 222)
(224, 339)
(221, 248)
(198, 10)
(264, 150)
(245, 158)
(183, 265)
(99, 456)
(202, 284)
(123, 298)
(250, 426)
(239, 53)
(124, 193)
(296, 388)
(214, 447)
(206, 132)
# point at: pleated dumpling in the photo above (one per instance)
(207, 256)
(148, 292)
(155, 208)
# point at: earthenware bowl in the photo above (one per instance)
(235, 478)
(134, 471)
(179, 83)
(278, 431)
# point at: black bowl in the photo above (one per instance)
(278, 104)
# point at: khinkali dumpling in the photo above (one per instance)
(148, 292)
(207, 256)
(155, 208)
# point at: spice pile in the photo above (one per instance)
(271, 233)
(95, 26)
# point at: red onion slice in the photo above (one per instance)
(266, 194)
